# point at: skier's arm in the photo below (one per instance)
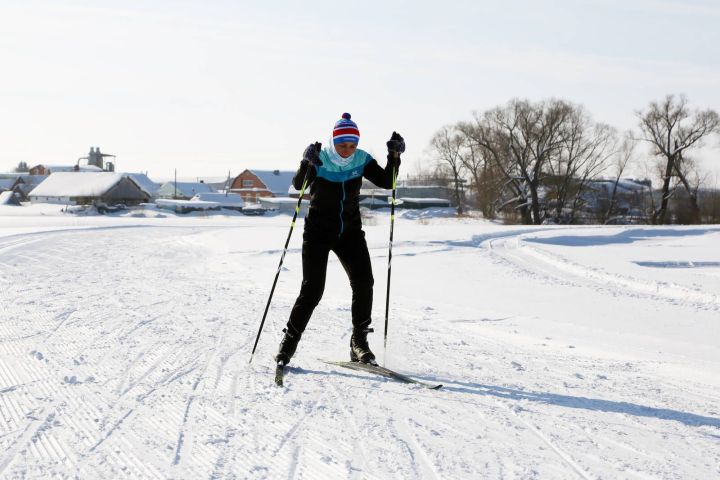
(383, 177)
(304, 168)
(310, 160)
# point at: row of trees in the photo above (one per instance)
(540, 161)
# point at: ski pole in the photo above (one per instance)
(387, 294)
(282, 258)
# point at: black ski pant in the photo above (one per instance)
(352, 251)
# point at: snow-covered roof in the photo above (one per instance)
(31, 179)
(277, 181)
(8, 198)
(624, 184)
(185, 189)
(144, 182)
(229, 200)
(77, 184)
(70, 168)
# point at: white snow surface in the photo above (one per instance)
(565, 352)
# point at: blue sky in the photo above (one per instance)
(207, 87)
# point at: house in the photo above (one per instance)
(437, 192)
(95, 162)
(145, 183)
(219, 184)
(86, 188)
(7, 183)
(48, 169)
(631, 196)
(182, 190)
(24, 184)
(251, 185)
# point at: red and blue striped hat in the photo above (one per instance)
(346, 130)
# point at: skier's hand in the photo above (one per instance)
(311, 154)
(396, 145)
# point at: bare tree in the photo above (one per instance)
(487, 179)
(671, 128)
(448, 144)
(22, 167)
(585, 149)
(494, 145)
(623, 157)
(520, 138)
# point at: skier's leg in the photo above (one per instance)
(314, 265)
(353, 254)
(352, 251)
(314, 262)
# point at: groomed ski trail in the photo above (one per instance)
(127, 357)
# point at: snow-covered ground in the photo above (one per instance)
(566, 352)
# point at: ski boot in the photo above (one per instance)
(288, 345)
(359, 348)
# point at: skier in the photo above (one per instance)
(333, 223)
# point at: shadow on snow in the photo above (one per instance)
(585, 403)
(624, 237)
(567, 401)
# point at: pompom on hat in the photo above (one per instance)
(346, 131)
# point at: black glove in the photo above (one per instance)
(311, 154)
(396, 145)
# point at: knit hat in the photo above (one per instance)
(346, 131)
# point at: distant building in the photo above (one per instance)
(24, 184)
(43, 169)
(219, 184)
(20, 183)
(145, 183)
(97, 159)
(87, 188)
(408, 196)
(7, 183)
(251, 185)
(631, 196)
(182, 190)
(432, 192)
(93, 162)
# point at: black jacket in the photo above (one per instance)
(335, 206)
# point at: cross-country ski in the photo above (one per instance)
(385, 372)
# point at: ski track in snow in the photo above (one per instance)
(553, 268)
(123, 354)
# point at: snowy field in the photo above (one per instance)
(566, 352)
